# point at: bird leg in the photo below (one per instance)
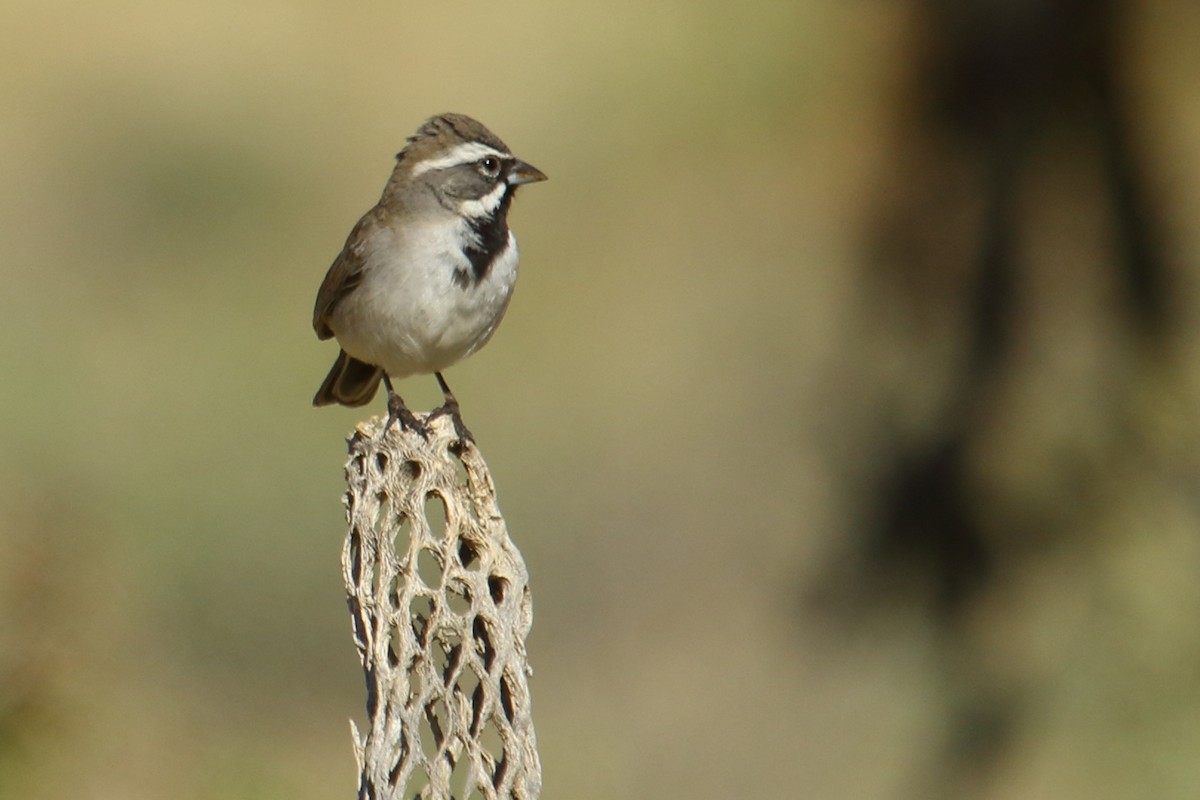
(450, 406)
(398, 412)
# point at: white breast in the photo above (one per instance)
(408, 315)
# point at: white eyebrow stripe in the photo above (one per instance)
(464, 153)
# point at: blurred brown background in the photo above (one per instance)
(846, 412)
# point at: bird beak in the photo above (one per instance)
(520, 173)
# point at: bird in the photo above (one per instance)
(426, 275)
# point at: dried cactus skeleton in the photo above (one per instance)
(440, 603)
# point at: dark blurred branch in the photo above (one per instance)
(996, 84)
(997, 80)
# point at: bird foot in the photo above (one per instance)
(450, 408)
(398, 412)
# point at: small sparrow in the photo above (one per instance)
(426, 275)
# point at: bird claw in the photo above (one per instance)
(398, 412)
(450, 408)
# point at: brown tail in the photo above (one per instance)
(350, 382)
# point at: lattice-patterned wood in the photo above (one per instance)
(440, 603)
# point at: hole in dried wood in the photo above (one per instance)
(491, 743)
(381, 461)
(483, 642)
(398, 768)
(459, 770)
(429, 567)
(383, 512)
(506, 700)
(429, 746)
(402, 533)
(470, 685)
(411, 469)
(396, 581)
(436, 514)
(420, 609)
(458, 598)
(447, 659)
(396, 586)
(361, 626)
(433, 732)
(468, 555)
(497, 587)
(416, 787)
(466, 682)
(416, 685)
(391, 524)
(395, 589)
(501, 769)
(460, 470)
(355, 547)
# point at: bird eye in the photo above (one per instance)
(489, 166)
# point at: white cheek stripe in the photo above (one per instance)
(484, 206)
(464, 153)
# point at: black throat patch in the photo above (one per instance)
(490, 239)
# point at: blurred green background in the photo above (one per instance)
(711, 353)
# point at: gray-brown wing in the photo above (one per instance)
(344, 274)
